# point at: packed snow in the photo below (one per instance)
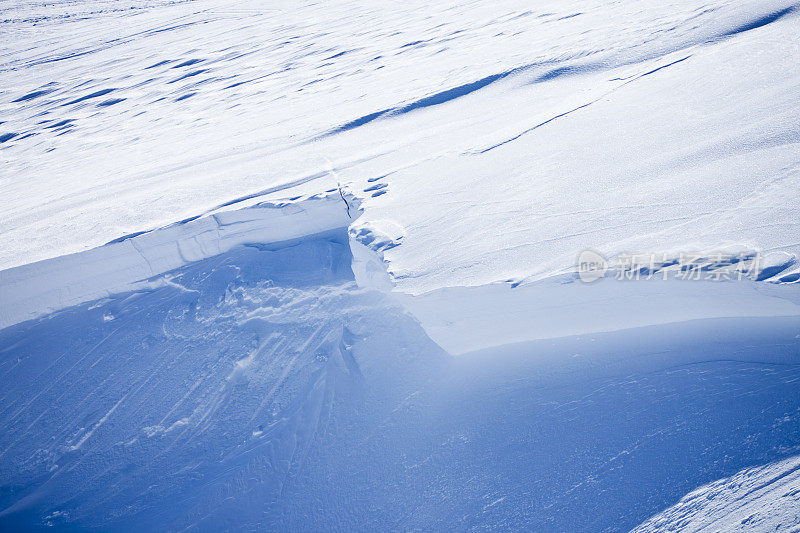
(283, 265)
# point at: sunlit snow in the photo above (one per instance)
(283, 265)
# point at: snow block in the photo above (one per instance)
(38, 288)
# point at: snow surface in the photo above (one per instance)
(764, 498)
(261, 388)
(508, 137)
(295, 266)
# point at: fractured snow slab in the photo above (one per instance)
(503, 139)
(463, 319)
(37, 288)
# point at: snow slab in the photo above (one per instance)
(480, 177)
(458, 319)
(241, 243)
(138, 261)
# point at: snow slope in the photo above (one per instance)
(261, 388)
(289, 266)
(764, 498)
(529, 134)
(248, 369)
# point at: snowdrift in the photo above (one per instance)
(254, 369)
(292, 266)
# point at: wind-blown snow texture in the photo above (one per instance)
(765, 498)
(262, 388)
(509, 136)
(296, 266)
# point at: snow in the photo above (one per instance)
(262, 388)
(764, 498)
(131, 263)
(295, 266)
(464, 319)
(674, 128)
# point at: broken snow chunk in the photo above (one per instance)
(377, 235)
